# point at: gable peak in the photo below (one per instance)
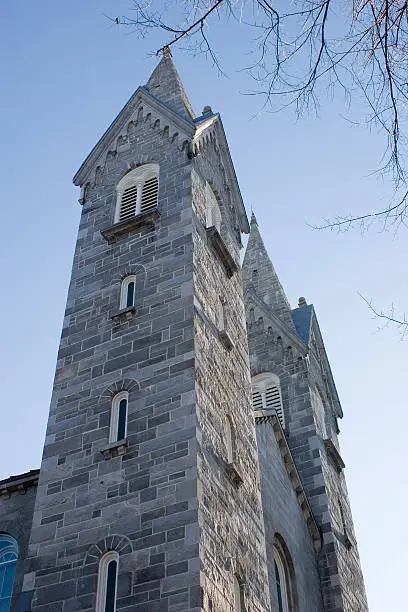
(165, 84)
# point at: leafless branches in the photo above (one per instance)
(301, 47)
(388, 317)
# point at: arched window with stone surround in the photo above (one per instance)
(266, 394)
(285, 584)
(119, 415)
(8, 562)
(107, 582)
(137, 192)
(127, 292)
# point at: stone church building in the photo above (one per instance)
(191, 459)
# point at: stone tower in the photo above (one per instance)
(301, 425)
(149, 490)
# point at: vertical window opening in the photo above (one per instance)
(127, 292)
(107, 582)
(239, 603)
(119, 413)
(229, 440)
(130, 294)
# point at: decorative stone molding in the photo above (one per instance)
(114, 449)
(127, 384)
(117, 542)
(270, 416)
(334, 454)
(146, 219)
(221, 250)
(20, 482)
(126, 314)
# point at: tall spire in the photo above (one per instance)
(259, 275)
(165, 84)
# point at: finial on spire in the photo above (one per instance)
(302, 302)
(253, 218)
(166, 51)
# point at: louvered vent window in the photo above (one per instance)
(137, 192)
(257, 400)
(128, 203)
(273, 400)
(266, 394)
(149, 194)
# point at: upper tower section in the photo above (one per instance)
(261, 280)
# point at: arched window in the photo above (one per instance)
(213, 213)
(239, 603)
(285, 585)
(266, 394)
(127, 292)
(118, 421)
(107, 582)
(8, 562)
(137, 192)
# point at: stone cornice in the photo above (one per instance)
(20, 482)
(270, 416)
(125, 115)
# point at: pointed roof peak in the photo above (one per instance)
(166, 85)
(253, 219)
(260, 276)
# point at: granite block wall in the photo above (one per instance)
(230, 514)
(142, 503)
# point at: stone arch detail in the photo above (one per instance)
(127, 384)
(137, 269)
(118, 542)
(280, 545)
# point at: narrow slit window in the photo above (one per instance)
(107, 582)
(127, 292)
(229, 440)
(119, 416)
(239, 603)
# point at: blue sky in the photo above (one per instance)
(66, 72)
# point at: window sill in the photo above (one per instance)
(114, 449)
(145, 219)
(220, 248)
(225, 340)
(234, 474)
(334, 454)
(125, 313)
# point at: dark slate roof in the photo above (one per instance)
(302, 318)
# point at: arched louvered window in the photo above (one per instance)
(137, 192)
(8, 562)
(266, 394)
(213, 213)
(127, 292)
(119, 414)
(107, 582)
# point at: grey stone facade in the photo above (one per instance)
(190, 509)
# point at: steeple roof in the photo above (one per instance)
(165, 84)
(261, 278)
